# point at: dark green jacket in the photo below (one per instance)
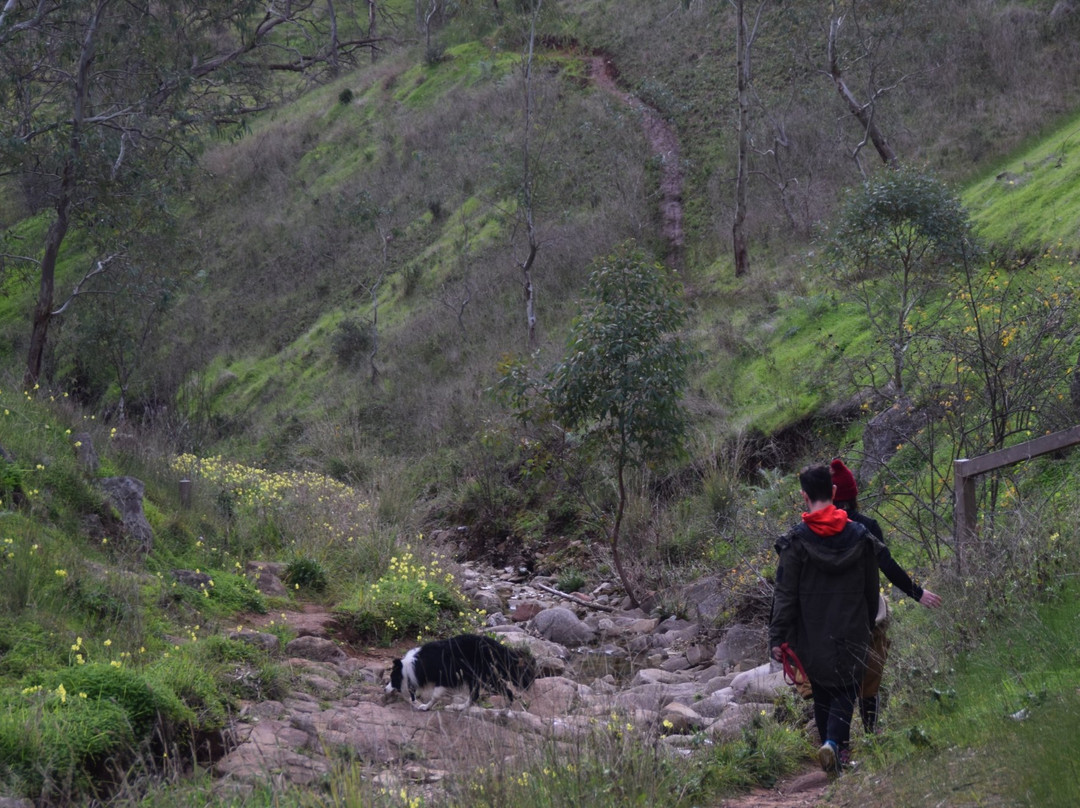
(825, 600)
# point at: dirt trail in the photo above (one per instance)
(665, 144)
(804, 790)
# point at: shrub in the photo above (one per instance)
(194, 683)
(570, 580)
(27, 646)
(51, 741)
(242, 670)
(352, 342)
(226, 594)
(20, 566)
(306, 573)
(141, 701)
(411, 599)
(11, 483)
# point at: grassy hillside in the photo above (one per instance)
(385, 206)
(339, 286)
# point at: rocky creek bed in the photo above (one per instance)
(677, 682)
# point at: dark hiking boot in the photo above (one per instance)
(827, 757)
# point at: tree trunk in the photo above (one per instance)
(372, 28)
(864, 113)
(54, 239)
(39, 328)
(615, 557)
(530, 304)
(742, 80)
(334, 42)
(527, 187)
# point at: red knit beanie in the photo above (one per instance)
(844, 481)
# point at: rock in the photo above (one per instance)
(705, 598)
(683, 719)
(346, 715)
(126, 494)
(264, 709)
(699, 654)
(316, 649)
(320, 685)
(735, 718)
(523, 612)
(887, 430)
(487, 601)
(654, 676)
(741, 643)
(759, 684)
(85, 453)
(742, 681)
(192, 578)
(551, 697)
(655, 697)
(714, 704)
(633, 626)
(675, 663)
(266, 577)
(562, 626)
(272, 747)
(260, 639)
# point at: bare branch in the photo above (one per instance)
(97, 270)
(39, 15)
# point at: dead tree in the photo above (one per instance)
(864, 113)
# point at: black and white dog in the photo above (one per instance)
(467, 662)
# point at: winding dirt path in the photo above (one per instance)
(664, 143)
(805, 790)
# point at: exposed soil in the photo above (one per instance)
(312, 619)
(665, 144)
(804, 790)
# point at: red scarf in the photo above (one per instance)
(828, 521)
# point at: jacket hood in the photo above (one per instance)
(827, 521)
(839, 551)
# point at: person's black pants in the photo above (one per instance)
(833, 708)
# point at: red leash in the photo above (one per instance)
(794, 672)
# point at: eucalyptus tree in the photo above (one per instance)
(625, 371)
(100, 100)
(900, 238)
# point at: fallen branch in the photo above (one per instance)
(577, 599)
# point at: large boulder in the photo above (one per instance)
(316, 649)
(126, 495)
(706, 598)
(886, 431)
(741, 643)
(562, 626)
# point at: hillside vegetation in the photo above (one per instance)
(319, 317)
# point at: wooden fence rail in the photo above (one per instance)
(965, 472)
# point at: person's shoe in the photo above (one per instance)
(827, 757)
(845, 762)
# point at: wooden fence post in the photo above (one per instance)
(965, 522)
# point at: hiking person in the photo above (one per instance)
(845, 497)
(824, 603)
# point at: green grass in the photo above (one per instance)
(998, 728)
(460, 66)
(1033, 202)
